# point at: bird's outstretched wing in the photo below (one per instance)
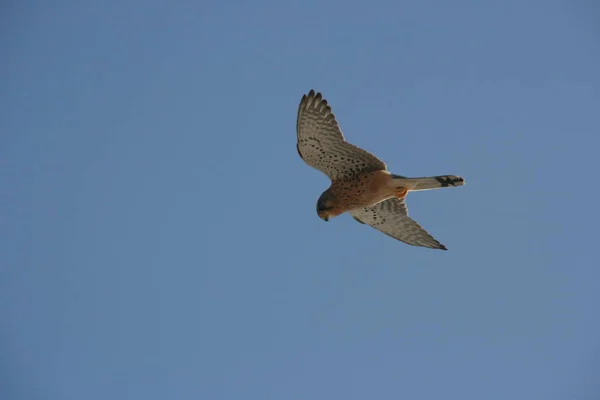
(321, 143)
(391, 217)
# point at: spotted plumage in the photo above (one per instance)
(360, 182)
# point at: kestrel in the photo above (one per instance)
(360, 182)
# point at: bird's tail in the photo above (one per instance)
(427, 183)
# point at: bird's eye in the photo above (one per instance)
(322, 207)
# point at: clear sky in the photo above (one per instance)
(158, 233)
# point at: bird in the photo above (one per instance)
(361, 184)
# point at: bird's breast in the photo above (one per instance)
(363, 190)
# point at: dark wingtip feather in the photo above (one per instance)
(310, 99)
(312, 94)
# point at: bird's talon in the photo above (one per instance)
(401, 193)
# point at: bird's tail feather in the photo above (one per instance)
(427, 183)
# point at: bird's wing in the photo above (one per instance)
(321, 143)
(391, 217)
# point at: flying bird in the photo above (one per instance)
(360, 182)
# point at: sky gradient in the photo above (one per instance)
(158, 231)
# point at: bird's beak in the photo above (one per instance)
(325, 219)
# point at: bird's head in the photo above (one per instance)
(326, 206)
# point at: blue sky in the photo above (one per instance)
(159, 234)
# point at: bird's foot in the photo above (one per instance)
(400, 193)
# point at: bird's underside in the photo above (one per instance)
(360, 182)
